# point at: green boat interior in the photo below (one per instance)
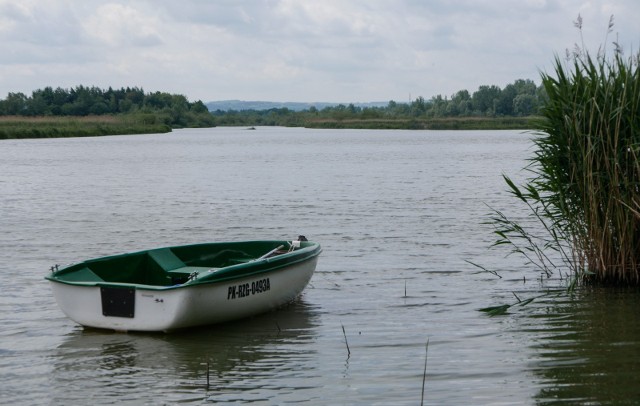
(171, 266)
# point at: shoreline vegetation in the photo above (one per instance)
(449, 123)
(90, 111)
(516, 106)
(18, 127)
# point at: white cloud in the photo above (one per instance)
(118, 25)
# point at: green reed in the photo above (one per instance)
(585, 188)
(19, 127)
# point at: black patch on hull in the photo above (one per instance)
(118, 302)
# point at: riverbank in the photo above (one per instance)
(18, 127)
(451, 123)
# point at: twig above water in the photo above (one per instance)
(424, 373)
(345, 341)
(483, 268)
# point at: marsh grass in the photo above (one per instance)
(585, 188)
(19, 127)
(449, 123)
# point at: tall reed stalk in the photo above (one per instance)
(585, 188)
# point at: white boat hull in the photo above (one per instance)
(188, 306)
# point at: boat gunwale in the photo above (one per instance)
(225, 274)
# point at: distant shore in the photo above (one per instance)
(19, 127)
(453, 123)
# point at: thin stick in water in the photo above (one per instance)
(514, 294)
(424, 373)
(345, 341)
(207, 375)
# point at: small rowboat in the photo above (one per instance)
(170, 288)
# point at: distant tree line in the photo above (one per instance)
(519, 99)
(159, 107)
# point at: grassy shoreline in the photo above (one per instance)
(18, 127)
(462, 123)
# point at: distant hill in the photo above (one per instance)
(239, 105)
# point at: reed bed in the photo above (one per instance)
(450, 123)
(19, 127)
(585, 187)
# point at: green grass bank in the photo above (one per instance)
(19, 127)
(450, 123)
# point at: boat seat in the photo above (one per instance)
(237, 261)
(166, 259)
(182, 275)
(83, 275)
(190, 269)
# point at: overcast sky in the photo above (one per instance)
(296, 50)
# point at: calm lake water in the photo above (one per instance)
(397, 213)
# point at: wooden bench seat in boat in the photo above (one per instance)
(175, 271)
(83, 275)
(166, 259)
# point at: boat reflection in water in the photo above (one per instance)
(235, 358)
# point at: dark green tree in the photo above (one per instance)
(485, 99)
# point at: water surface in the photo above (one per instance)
(397, 213)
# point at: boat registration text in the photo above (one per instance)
(248, 289)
